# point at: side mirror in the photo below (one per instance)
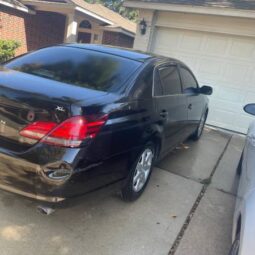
(250, 108)
(206, 90)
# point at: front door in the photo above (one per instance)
(194, 99)
(171, 106)
(84, 37)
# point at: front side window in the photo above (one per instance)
(78, 67)
(188, 81)
(170, 80)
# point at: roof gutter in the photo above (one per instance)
(95, 16)
(119, 30)
(191, 9)
(41, 5)
(23, 9)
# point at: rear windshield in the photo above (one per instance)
(79, 67)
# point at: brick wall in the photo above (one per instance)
(33, 31)
(117, 39)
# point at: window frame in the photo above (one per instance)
(155, 72)
(156, 69)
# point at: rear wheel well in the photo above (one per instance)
(157, 142)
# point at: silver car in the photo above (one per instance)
(244, 217)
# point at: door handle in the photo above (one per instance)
(190, 106)
(163, 113)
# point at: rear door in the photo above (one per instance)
(171, 105)
(195, 100)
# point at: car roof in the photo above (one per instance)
(121, 52)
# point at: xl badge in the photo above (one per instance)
(60, 109)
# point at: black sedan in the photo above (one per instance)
(74, 118)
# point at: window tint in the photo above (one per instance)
(158, 91)
(170, 80)
(143, 86)
(79, 67)
(188, 81)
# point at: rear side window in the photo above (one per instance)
(143, 88)
(170, 80)
(78, 67)
(188, 80)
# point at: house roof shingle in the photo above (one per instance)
(98, 9)
(233, 4)
(115, 18)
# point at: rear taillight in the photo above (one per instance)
(38, 129)
(69, 133)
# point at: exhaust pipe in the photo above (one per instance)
(45, 210)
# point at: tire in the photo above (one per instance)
(239, 167)
(199, 131)
(235, 246)
(139, 175)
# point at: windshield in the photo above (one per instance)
(79, 67)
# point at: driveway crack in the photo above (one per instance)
(197, 202)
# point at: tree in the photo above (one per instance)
(117, 6)
(7, 49)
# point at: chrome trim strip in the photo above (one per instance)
(30, 195)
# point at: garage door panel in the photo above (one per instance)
(228, 94)
(216, 45)
(168, 40)
(247, 46)
(190, 41)
(253, 77)
(235, 74)
(250, 97)
(210, 68)
(216, 116)
(189, 59)
(228, 106)
(225, 62)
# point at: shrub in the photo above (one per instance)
(7, 49)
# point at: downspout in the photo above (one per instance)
(152, 32)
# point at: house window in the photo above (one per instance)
(85, 24)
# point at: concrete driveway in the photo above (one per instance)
(186, 209)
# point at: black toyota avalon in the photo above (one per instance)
(74, 118)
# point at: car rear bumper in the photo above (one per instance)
(21, 174)
(43, 198)
(24, 173)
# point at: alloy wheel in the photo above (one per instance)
(143, 169)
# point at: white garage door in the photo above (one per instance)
(225, 62)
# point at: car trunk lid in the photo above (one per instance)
(26, 98)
